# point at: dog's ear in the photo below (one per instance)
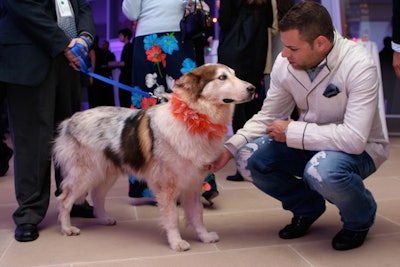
(190, 83)
(195, 80)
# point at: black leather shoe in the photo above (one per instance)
(82, 210)
(298, 227)
(26, 232)
(236, 177)
(346, 239)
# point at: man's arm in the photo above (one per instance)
(33, 18)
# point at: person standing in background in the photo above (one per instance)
(40, 76)
(396, 36)
(280, 7)
(159, 53)
(101, 93)
(202, 41)
(125, 65)
(243, 46)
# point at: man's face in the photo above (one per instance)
(104, 45)
(121, 37)
(300, 54)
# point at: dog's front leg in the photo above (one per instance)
(170, 222)
(194, 215)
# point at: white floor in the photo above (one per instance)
(247, 221)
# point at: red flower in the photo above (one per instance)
(206, 187)
(148, 102)
(155, 54)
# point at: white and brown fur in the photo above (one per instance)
(96, 146)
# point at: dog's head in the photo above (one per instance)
(214, 83)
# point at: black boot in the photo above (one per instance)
(236, 177)
(299, 226)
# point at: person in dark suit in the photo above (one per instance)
(243, 46)
(39, 74)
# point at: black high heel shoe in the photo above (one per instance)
(210, 189)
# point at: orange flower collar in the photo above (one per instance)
(195, 122)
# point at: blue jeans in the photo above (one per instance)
(302, 180)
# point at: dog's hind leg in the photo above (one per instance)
(170, 221)
(98, 195)
(65, 202)
(194, 215)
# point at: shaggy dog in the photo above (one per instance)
(168, 145)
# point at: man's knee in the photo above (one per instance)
(315, 172)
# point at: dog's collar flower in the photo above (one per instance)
(195, 122)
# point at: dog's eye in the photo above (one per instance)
(222, 77)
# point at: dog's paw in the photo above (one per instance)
(107, 221)
(180, 245)
(210, 237)
(72, 230)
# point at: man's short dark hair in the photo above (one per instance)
(126, 32)
(311, 19)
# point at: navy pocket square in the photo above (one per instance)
(331, 90)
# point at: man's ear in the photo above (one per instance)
(321, 43)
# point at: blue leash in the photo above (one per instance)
(86, 66)
(118, 84)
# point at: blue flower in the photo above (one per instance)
(187, 65)
(150, 40)
(168, 43)
(136, 99)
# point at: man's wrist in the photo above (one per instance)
(88, 37)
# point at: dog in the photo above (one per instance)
(168, 145)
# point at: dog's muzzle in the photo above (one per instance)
(251, 90)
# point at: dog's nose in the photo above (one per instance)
(251, 88)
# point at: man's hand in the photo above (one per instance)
(396, 63)
(73, 58)
(276, 130)
(221, 161)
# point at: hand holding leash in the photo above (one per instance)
(78, 54)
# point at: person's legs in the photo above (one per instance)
(338, 177)
(68, 98)
(31, 120)
(276, 170)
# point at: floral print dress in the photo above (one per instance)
(158, 60)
